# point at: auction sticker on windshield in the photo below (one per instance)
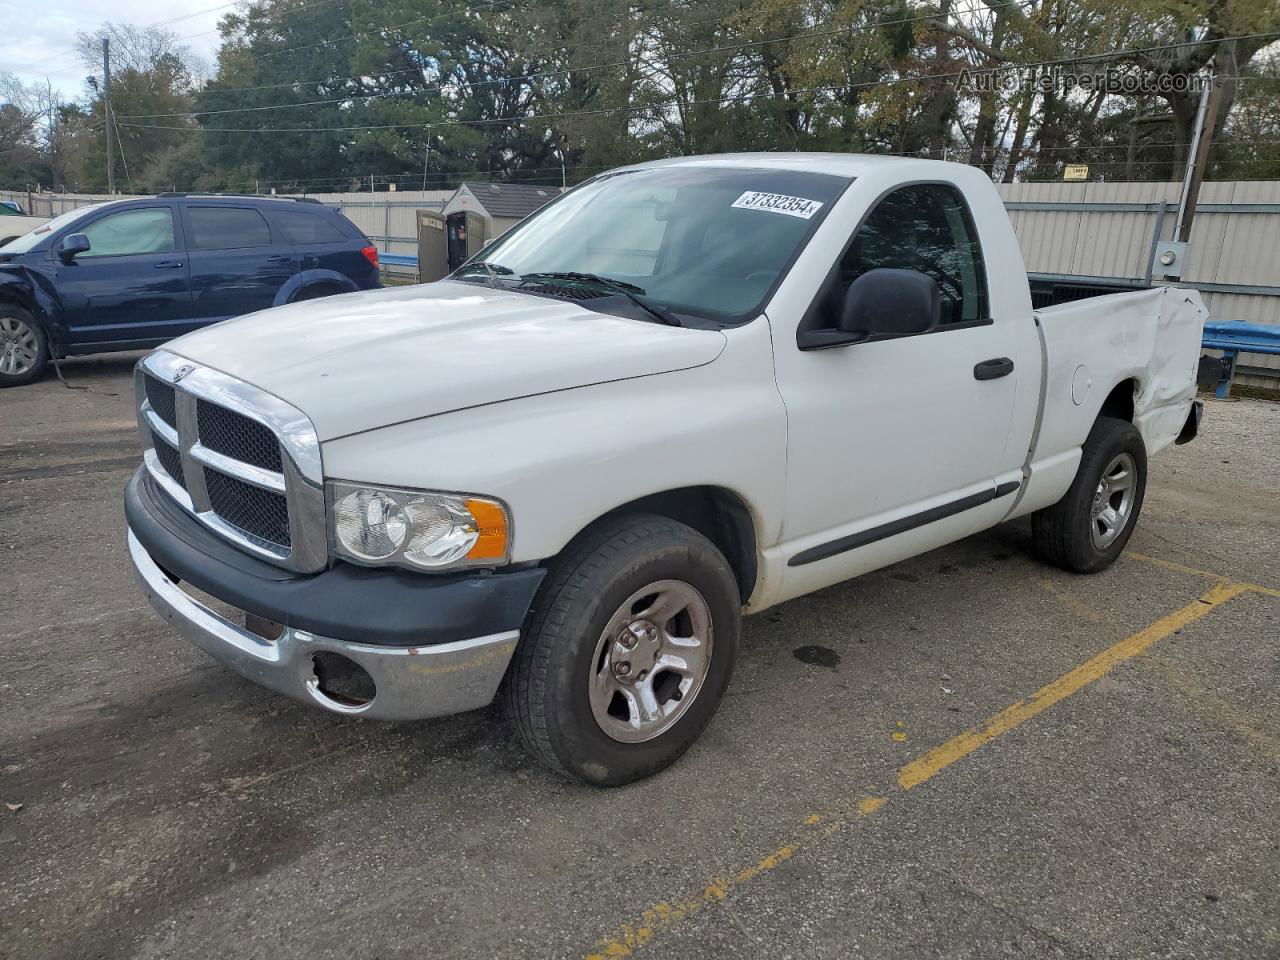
(778, 203)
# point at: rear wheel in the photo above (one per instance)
(1088, 528)
(24, 347)
(627, 653)
(316, 291)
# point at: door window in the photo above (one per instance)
(306, 228)
(227, 228)
(149, 230)
(924, 227)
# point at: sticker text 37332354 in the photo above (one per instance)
(778, 203)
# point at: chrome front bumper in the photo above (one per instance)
(411, 682)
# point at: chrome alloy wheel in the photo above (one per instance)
(1113, 502)
(18, 346)
(651, 661)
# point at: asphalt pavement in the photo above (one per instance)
(966, 755)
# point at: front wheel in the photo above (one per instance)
(1088, 528)
(24, 348)
(627, 653)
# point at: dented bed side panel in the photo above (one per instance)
(1150, 337)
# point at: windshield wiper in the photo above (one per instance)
(491, 270)
(578, 277)
(628, 290)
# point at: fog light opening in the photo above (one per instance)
(343, 680)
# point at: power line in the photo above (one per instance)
(70, 51)
(566, 72)
(977, 7)
(378, 29)
(305, 6)
(188, 16)
(605, 111)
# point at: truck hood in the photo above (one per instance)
(361, 361)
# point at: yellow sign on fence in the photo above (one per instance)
(1076, 171)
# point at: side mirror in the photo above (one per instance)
(887, 301)
(72, 246)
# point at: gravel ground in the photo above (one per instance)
(157, 806)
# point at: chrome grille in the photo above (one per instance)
(169, 458)
(160, 396)
(254, 510)
(237, 437)
(242, 461)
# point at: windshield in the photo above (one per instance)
(29, 240)
(701, 240)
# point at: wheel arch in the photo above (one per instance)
(1121, 401)
(718, 513)
(313, 278)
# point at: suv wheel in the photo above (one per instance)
(24, 348)
(627, 652)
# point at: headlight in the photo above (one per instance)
(416, 528)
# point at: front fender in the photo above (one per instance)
(34, 292)
(563, 459)
(308, 277)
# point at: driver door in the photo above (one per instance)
(895, 446)
(132, 284)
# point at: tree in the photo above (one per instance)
(151, 78)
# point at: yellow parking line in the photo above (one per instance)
(1195, 571)
(939, 758)
(1215, 707)
(1176, 567)
(633, 935)
(1071, 601)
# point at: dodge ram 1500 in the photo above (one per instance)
(682, 392)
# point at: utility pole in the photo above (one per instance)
(106, 113)
(426, 162)
(1198, 154)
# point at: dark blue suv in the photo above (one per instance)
(131, 274)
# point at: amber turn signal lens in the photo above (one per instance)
(491, 524)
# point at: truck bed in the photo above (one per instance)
(1144, 345)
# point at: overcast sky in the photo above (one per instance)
(41, 45)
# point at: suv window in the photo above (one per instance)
(149, 230)
(307, 228)
(924, 227)
(225, 228)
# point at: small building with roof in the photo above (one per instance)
(475, 214)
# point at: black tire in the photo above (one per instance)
(1064, 532)
(546, 692)
(316, 291)
(37, 332)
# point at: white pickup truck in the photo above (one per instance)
(682, 392)
(14, 222)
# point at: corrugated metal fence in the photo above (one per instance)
(1109, 230)
(1067, 230)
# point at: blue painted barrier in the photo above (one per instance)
(1233, 337)
(398, 259)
